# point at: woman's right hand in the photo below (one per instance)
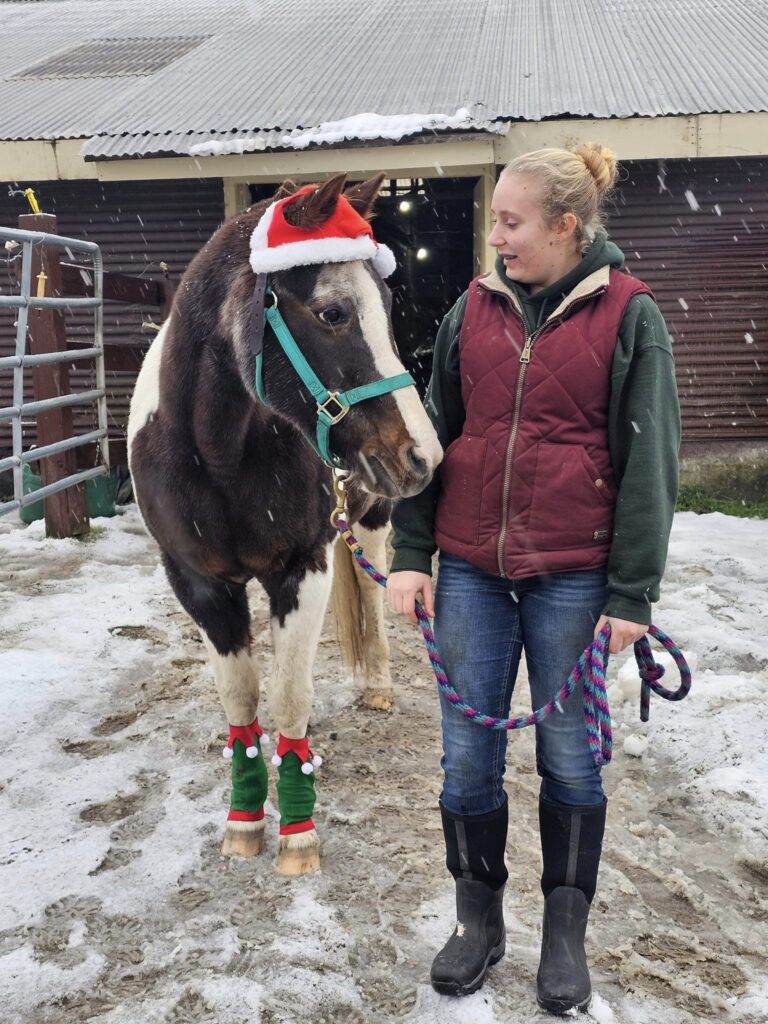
(404, 587)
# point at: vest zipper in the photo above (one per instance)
(525, 358)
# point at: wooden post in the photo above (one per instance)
(66, 513)
(482, 252)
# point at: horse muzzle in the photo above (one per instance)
(402, 476)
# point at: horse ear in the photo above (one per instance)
(315, 208)
(287, 188)
(362, 197)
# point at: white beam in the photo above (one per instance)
(636, 138)
(416, 161)
(641, 138)
(732, 134)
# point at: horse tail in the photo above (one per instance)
(347, 607)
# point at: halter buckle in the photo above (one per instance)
(333, 396)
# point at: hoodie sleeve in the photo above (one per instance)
(644, 438)
(413, 519)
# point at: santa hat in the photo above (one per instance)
(278, 245)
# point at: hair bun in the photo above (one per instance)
(601, 164)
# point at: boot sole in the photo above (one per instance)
(453, 988)
(562, 1007)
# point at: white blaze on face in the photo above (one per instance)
(146, 395)
(359, 285)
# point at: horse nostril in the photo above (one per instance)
(417, 464)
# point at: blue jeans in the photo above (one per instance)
(482, 624)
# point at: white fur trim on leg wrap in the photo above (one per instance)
(299, 841)
(246, 826)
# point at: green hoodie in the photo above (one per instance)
(643, 436)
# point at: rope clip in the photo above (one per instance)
(340, 479)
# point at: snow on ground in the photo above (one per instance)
(116, 906)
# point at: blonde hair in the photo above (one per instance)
(573, 181)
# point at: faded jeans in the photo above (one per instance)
(482, 624)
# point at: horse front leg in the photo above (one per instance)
(220, 610)
(298, 600)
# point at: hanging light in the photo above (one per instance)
(421, 254)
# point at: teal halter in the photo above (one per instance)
(332, 406)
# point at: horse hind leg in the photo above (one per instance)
(298, 602)
(220, 610)
(358, 610)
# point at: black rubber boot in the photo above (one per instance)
(571, 843)
(475, 857)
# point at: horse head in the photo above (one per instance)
(338, 313)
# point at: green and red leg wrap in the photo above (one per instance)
(249, 772)
(296, 766)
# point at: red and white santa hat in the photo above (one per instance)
(345, 236)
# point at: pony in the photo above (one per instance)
(233, 485)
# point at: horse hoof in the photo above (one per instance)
(298, 854)
(243, 839)
(378, 700)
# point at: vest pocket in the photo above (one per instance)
(573, 501)
(461, 488)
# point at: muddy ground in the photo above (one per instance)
(159, 927)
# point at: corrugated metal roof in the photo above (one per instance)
(286, 64)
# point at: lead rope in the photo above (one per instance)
(589, 669)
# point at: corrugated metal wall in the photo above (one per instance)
(697, 232)
(138, 225)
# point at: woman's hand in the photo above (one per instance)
(623, 632)
(404, 587)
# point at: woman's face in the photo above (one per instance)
(535, 253)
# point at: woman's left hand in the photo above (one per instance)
(623, 632)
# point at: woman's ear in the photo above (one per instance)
(566, 226)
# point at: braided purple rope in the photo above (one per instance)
(589, 670)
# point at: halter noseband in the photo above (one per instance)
(332, 406)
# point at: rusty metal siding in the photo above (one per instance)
(696, 231)
(138, 225)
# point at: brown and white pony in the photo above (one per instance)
(231, 490)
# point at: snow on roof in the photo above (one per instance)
(292, 66)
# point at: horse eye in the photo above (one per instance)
(331, 316)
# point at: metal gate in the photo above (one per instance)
(19, 362)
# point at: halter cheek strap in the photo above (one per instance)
(332, 406)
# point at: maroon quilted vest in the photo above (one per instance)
(528, 487)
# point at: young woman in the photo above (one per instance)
(553, 394)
